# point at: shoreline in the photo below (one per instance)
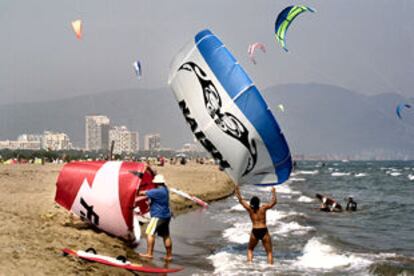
(35, 228)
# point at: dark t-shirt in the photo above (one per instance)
(159, 206)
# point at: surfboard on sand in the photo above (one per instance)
(120, 261)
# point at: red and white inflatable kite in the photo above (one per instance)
(104, 192)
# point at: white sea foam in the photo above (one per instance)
(340, 174)
(297, 179)
(234, 263)
(239, 233)
(281, 189)
(274, 216)
(237, 207)
(411, 177)
(305, 199)
(360, 174)
(308, 172)
(393, 173)
(292, 228)
(317, 255)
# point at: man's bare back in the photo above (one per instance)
(257, 215)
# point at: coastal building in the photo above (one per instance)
(97, 132)
(30, 138)
(56, 141)
(152, 141)
(14, 145)
(190, 147)
(24, 141)
(125, 141)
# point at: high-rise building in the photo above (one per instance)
(96, 132)
(125, 141)
(56, 141)
(152, 141)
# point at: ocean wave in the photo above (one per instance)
(360, 174)
(292, 228)
(340, 174)
(234, 263)
(282, 189)
(308, 172)
(411, 177)
(239, 233)
(305, 199)
(297, 179)
(237, 208)
(317, 255)
(393, 173)
(274, 216)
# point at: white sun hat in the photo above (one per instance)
(158, 179)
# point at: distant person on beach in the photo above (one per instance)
(160, 217)
(328, 204)
(258, 216)
(351, 205)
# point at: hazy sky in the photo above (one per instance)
(366, 46)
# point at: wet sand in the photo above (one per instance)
(33, 228)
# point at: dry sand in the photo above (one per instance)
(33, 228)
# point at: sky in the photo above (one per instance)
(365, 46)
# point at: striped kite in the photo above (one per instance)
(284, 19)
(400, 107)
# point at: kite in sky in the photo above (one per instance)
(284, 19)
(252, 50)
(77, 28)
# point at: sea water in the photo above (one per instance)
(377, 239)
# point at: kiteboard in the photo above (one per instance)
(120, 261)
(331, 204)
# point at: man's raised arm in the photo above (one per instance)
(239, 197)
(273, 202)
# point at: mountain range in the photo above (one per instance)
(318, 119)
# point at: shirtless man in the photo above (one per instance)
(258, 216)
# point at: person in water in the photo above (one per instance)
(351, 205)
(328, 204)
(258, 216)
(160, 217)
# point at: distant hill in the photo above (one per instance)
(146, 111)
(324, 119)
(318, 119)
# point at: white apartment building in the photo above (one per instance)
(56, 141)
(152, 141)
(189, 147)
(125, 141)
(30, 138)
(97, 132)
(14, 145)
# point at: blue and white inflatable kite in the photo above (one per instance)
(227, 114)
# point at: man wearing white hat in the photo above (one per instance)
(160, 217)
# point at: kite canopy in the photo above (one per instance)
(138, 69)
(227, 114)
(252, 49)
(284, 19)
(400, 107)
(104, 192)
(77, 28)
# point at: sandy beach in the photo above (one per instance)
(34, 228)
